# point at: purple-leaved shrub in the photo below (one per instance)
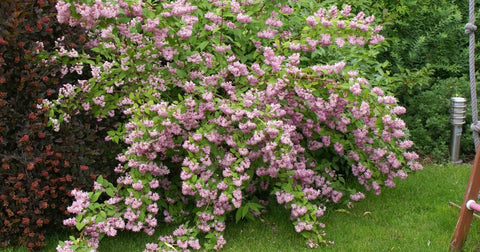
(228, 102)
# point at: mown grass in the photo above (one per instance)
(414, 216)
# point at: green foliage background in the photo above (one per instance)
(427, 59)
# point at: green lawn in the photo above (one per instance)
(414, 216)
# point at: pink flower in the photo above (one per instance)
(208, 27)
(353, 156)
(389, 100)
(376, 187)
(357, 196)
(360, 41)
(398, 133)
(272, 60)
(238, 69)
(320, 211)
(257, 69)
(312, 21)
(333, 12)
(252, 80)
(376, 39)
(378, 91)
(208, 96)
(338, 148)
(222, 48)
(185, 32)
(336, 196)
(220, 243)
(285, 9)
(378, 153)
(410, 155)
(194, 244)
(284, 197)
(168, 53)
(326, 23)
(294, 59)
(273, 21)
(70, 221)
(406, 144)
(189, 19)
(310, 193)
(154, 196)
(63, 10)
(267, 34)
(415, 165)
(300, 227)
(321, 13)
(389, 183)
(325, 39)
(326, 140)
(189, 87)
(151, 247)
(398, 110)
(340, 41)
(150, 25)
(356, 89)
(377, 29)
(352, 40)
(295, 46)
(195, 58)
(96, 71)
(242, 18)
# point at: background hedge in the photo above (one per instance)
(427, 60)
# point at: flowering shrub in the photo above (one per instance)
(228, 102)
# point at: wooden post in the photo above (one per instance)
(465, 216)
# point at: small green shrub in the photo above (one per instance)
(429, 118)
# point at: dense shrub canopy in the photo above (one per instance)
(228, 102)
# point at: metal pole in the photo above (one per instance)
(457, 114)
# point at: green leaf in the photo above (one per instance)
(148, 14)
(238, 215)
(103, 216)
(100, 179)
(80, 224)
(110, 211)
(244, 210)
(202, 45)
(110, 192)
(95, 195)
(255, 206)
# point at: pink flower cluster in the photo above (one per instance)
(90, 15)
(81, 203)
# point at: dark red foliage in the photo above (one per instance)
(38, 167)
